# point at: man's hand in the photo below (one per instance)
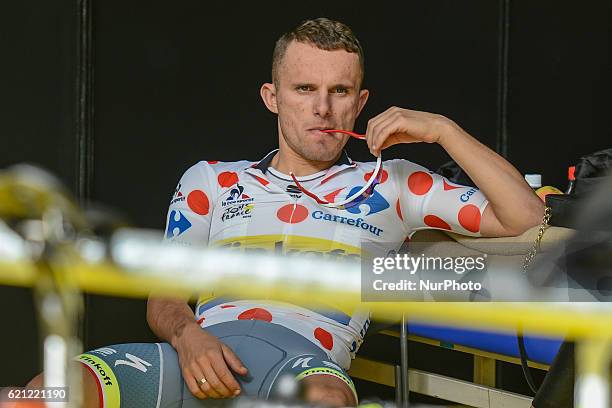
(397, 125)
(513, 206)
(202, 355)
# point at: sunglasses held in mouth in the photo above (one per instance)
(355, 199)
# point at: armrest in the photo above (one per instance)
(504, 246)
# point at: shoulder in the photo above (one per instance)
(403, 165)
(214, 169)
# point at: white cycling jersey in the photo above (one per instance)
(246, 206)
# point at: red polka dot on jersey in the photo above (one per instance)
(227, 178)
(198, 202)
(324, 337)
(212, 161)
(448, 186)
(262, 181)
(436, 222)
(256, 313)
(419, 182)
(292, 213)
(469, 217)
(399, 210)
(227, 306)
(201, 319)
(383, 177)
(331, 197)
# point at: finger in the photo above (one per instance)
(199, 372)
(233, 361)
(371, 133)
(210, 372)
(370, 128)
(374, 124)
(192, 384)
(225, 375)
(384, 129)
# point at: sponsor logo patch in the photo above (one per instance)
(178, 195)
(177, 224)
(357, 223)
(373, 204)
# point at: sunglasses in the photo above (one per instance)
(359, 196)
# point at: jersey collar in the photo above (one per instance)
(263, 164)
(260, 168)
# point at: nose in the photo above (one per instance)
(322, 104)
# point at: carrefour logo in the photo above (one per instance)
(374, 204)
(177, 224)
(465, 197)
(357, 223)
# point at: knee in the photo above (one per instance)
(329, 391)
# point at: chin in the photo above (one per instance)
(321, 155)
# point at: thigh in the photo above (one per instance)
(148, 374)
(139, 375)
(271, 351)
(128, 375)
(305, 366)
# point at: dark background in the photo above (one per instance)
(169, 84)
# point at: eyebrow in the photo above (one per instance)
(339, 85)
(347, 86)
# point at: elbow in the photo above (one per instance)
(151, 313)
(531, 216)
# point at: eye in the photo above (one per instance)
(341, 90)
(303, 88)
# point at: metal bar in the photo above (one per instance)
(404, 363)
(84, 101)
(84, 120)
(502, 77)
(398, 390)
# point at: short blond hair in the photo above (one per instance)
(323, 33)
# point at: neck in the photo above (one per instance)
(288, 161)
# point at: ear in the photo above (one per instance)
(364, 94)
(268, 95)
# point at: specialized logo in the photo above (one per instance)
(302, 361)
(135, 362)
(294, 191)
(177, 224)
(331, 365)
(178, 195)
(465, 197)
(375, 203)
(105, 351)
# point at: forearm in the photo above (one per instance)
(513, 202)
(169, 317)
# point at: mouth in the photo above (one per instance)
(319, 130)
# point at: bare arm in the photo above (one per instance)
(168, 318)
(513, 207)
(201, 355)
